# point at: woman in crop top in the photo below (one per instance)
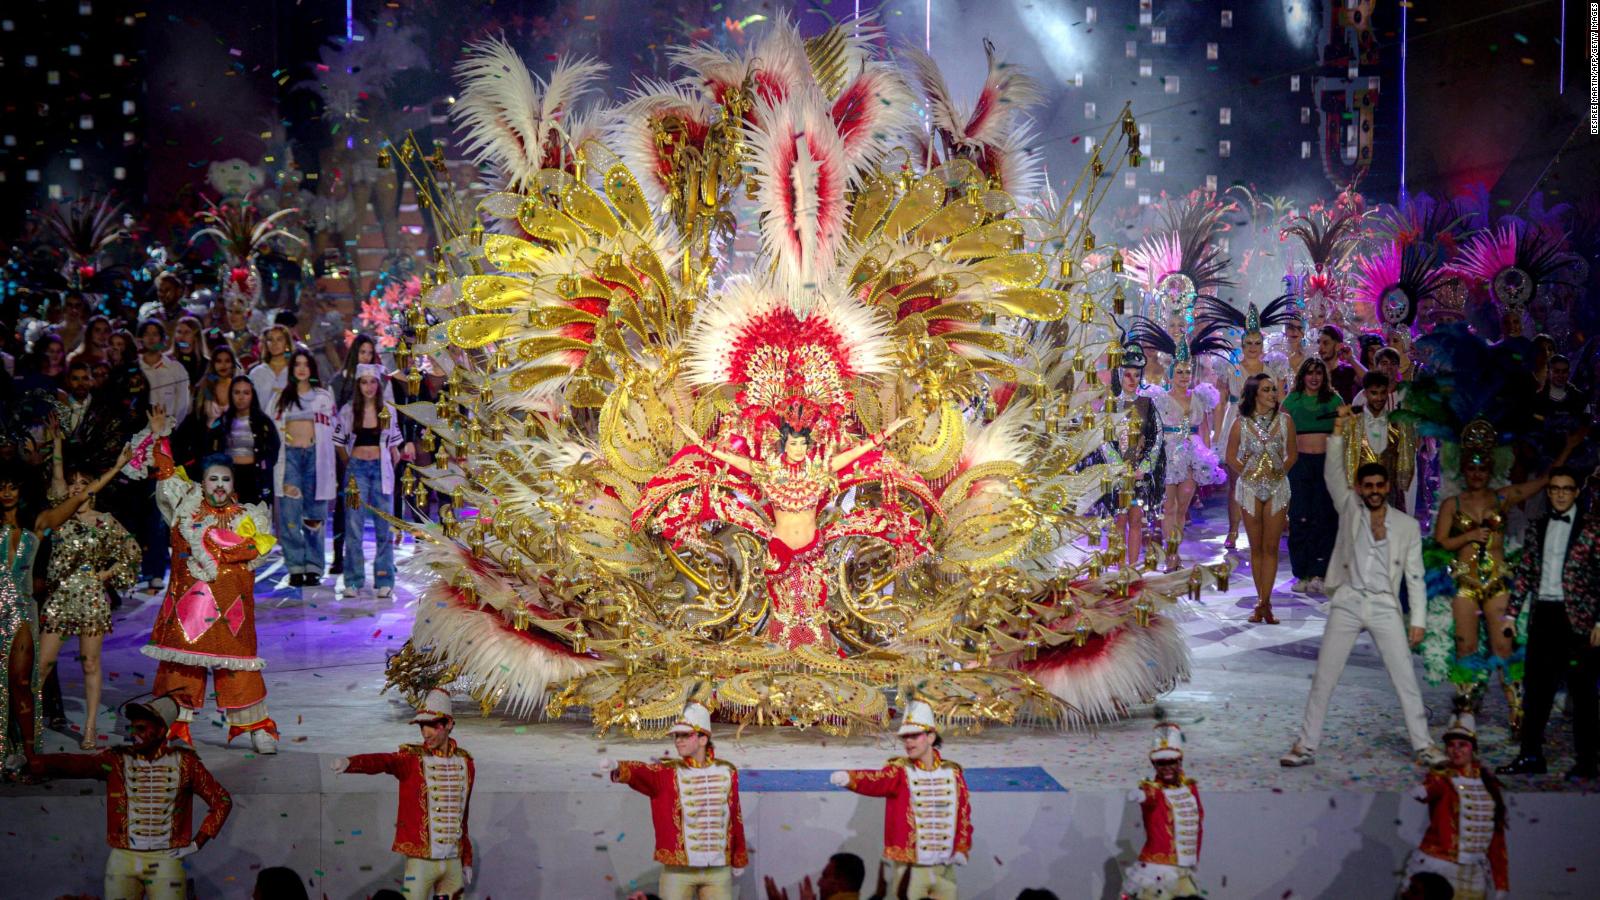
(368, 437)
(249, 439)
(304, 476)
(1314, 408)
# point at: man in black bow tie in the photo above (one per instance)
(1559, 574)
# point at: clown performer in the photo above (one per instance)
(1466, 837)
(927, 819)
(694, 805)
(1185, 406)
(207, 619)
(430, 828)
(150, 790)
(1173, 822)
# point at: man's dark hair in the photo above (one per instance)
(1369, 469)
(1431, 886)
(77, 363)
(160, 326)
(1037, 894)
(1558, 359)
(1334, 332)
(1564, 471)
(1374, 378)
(280, 883)
(850, 870)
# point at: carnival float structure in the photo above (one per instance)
(774, 385)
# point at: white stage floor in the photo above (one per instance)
(548, 825)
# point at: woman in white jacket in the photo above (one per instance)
(368, 437)
(304, 477)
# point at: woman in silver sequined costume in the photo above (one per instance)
(20, 529)
(90, 553)
(1261, 448)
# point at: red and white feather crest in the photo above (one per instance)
(803, 177)
(513, 120)
(871, 112)
(776, 66)
(632, 133)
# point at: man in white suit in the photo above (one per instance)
(1377, 546)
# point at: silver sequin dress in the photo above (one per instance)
(78, 603)
(1263, 446)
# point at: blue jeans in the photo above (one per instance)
(368, 476)
(302, 541)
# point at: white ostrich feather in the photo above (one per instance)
(508, 114)
(801, 195)
(1140, 665)
(631, 130)
(1004, 439)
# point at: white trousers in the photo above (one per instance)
(1349, 614)
(151, 874)
(696, 883)
(429, 878)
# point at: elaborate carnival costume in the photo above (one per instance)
(17, 611)
(1173, 824)
(207, 618)
(430, 827)
(590, 560)
(927, 813)
(1263, 441)
(149, 807)
(1183, 424)
(1470, 382)
(694, 807)
(1466, 837)
(1136, 444)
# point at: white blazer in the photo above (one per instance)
(1405, 538)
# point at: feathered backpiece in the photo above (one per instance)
(789, 365)
(1206, 338)
(84, 228)
(1514, 259)
(1421, 219)
(516, 122)
(355, 72)
(241, 231)
(993, 133)
(1184, 259)
(1280, 310)
(1398, 279)
(1467, 379)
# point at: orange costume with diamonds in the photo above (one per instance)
(207, 618)
(695, 810)
(927, 818)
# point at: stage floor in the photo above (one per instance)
(1240, 711)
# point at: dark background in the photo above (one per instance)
(214, 80)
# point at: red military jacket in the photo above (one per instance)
(1461, 822)
(1173, 823)
(695, 810)
(435, 796)
(149, 802)
(928, 816)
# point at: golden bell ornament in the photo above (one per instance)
(1114, 356)
(430, 441)
(414, 382)
(419, 493)
(1066, 268)
(1119, 301)
(385, 160)
(1088, 236)
(352, 494)
(1220, 573)
(1117, 262)
(383, 419)
(1081, 633)
(402, 355)
(1135, 158)
(408, 478)
(1142, 612)
(1098, 168)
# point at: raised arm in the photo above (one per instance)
(884, 782)
(1333, 467)
(844, 459)
(58, 477)
(61, 512)
(743, 464)
(1516, 493)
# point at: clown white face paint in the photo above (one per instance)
(218, 485)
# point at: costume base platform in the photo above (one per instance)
(1049, 808)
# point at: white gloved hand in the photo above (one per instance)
(466, 875)
(737, 872)
(340, 764)
(957, 859)
(181, 852)
(607, 765)
(839, 779)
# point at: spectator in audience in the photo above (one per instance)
(248, 437)
(44, 365)
(239, 336)
(212, 387)
(121, 349)
(169, 380)
(187, 348)
(1343, 370)
(303, 479)
(271, 375)
(367, 434)
(279, 883)
(74, 314)
(362, 351)
(96, 341)
(841, 879)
